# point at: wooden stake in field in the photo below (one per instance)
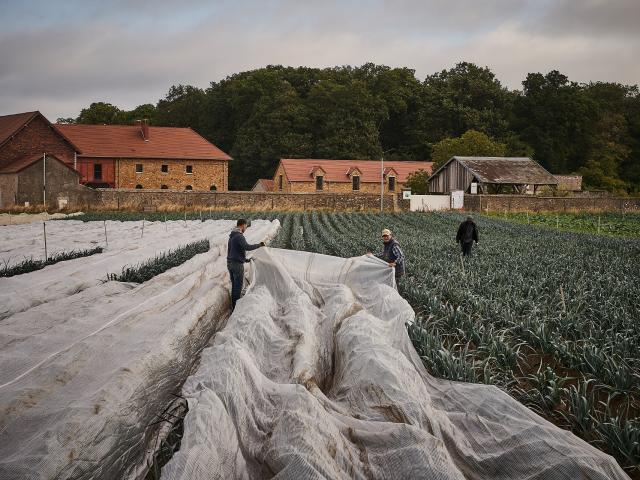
(165, 222)
(557, 222)
(142, 227)
(106, 239)
(527, 217)
(598, 224)
(44, 229)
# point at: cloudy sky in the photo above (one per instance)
(59, 56)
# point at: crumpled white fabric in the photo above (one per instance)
(85, 375)
(314, 376)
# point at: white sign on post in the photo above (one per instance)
(457, 199)
(474, 188)
(406, 194)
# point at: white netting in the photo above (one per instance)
(86, 366)
(314, 376)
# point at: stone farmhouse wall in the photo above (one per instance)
(531, 203)
(121, 199)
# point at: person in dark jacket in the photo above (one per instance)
(392, 253)
(467, 234)
(236, 258)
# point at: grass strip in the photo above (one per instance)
(144, 271)
(31, 265)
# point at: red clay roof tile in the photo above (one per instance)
(299, 170)
(125, 141)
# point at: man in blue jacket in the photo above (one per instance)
(236, 258)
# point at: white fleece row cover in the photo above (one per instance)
(314, 377)
(86, 370)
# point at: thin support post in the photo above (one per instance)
(44, 230)
(381, 183)
(143, 219)
(598, 224)
(106, 239)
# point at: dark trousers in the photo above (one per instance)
(466, 248)
(236, 273)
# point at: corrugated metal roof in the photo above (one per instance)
(507, 170)
(125, 141)
(299, 170)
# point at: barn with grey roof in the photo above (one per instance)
(492, 174)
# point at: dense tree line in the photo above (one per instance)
(364, 112)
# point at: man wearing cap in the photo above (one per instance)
(392, 253)
(236, 258)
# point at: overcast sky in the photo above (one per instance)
(58, 56)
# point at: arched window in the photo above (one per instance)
(139, 187)
(164, 187)
(213, 188)
(188, 187)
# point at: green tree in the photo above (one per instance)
(146, 111)
(183, 106)
(343, 121)
(418, 182)
(100, 113)
(611, 147)
(466, 97)
(556, 118)
(472, 143)
(278, 128)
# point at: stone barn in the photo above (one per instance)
(490, 175)
(146, 157)
(344, 176)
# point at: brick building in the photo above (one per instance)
(140, 156)
(343, 176)
(31, 134)
(36, 161)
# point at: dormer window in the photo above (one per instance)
(392, 184)
(319, 182)
(355, 182)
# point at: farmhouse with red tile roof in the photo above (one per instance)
(141, 156)
(341, 176)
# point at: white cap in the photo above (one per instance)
(386, 231)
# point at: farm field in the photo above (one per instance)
(550, 317)
(606, 223)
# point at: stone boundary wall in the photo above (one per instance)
(125, 199)
(521, 203)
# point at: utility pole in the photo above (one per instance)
(382, 182)
(382, 179)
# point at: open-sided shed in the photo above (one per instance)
(492, 174)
